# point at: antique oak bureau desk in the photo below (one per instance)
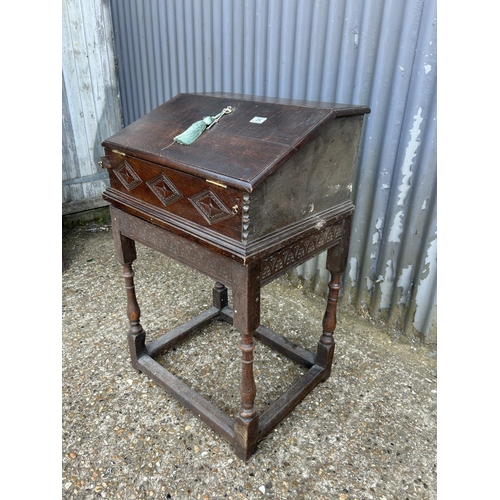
(265, 187)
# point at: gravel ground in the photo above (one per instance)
(369, 432)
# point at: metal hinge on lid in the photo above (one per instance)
(216, 183)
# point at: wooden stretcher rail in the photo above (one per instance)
(203, 409)
(182, 332)
(289, 400)
(277, 342)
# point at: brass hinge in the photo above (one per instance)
(217, 183)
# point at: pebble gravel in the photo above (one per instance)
(369, 432)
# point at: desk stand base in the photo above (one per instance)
(248, 427)
(210, 414)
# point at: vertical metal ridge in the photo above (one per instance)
(319, 21)
(425, 218)
(158, 62)
(130, 38)
(238, 48)
(367, 211)
(425, 299)
(260, 47)
(206, 24)
(386, 268)
(420, 209)
(190, 48)
(248, 47)
(274, 15)
(387, 126)
(287, 49)
(217, 55)
(179, 56)
(226, 63)
(421, 313)
(302, 51)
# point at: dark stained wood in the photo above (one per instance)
(240, 181)
(284, 346)
(234, 151)
(182, 332)
(246, 319)
(289, 400)
(277, 342)
(243, 204)
(248, 427)
(220, 296)
(336, 262)
(203, 409)
(338, 108)
(182, 196)
(303, 189)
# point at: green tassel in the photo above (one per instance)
(194, 131)
(197, 128)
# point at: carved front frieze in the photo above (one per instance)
(300, 251)
(179, 248)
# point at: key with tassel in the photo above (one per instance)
(196, 129)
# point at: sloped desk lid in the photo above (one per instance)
(242, 149)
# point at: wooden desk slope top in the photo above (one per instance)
(260, 192)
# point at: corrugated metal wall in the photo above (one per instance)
(91, 105)
(374, 52)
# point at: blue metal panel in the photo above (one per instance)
(374, 52)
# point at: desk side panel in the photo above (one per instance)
(317, 178)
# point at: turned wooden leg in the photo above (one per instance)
(220, 295)
(246, 422)
(336, 263)
(247, 387)
(246, 320)
(126, 254)
(326, 344)
(136, 335)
